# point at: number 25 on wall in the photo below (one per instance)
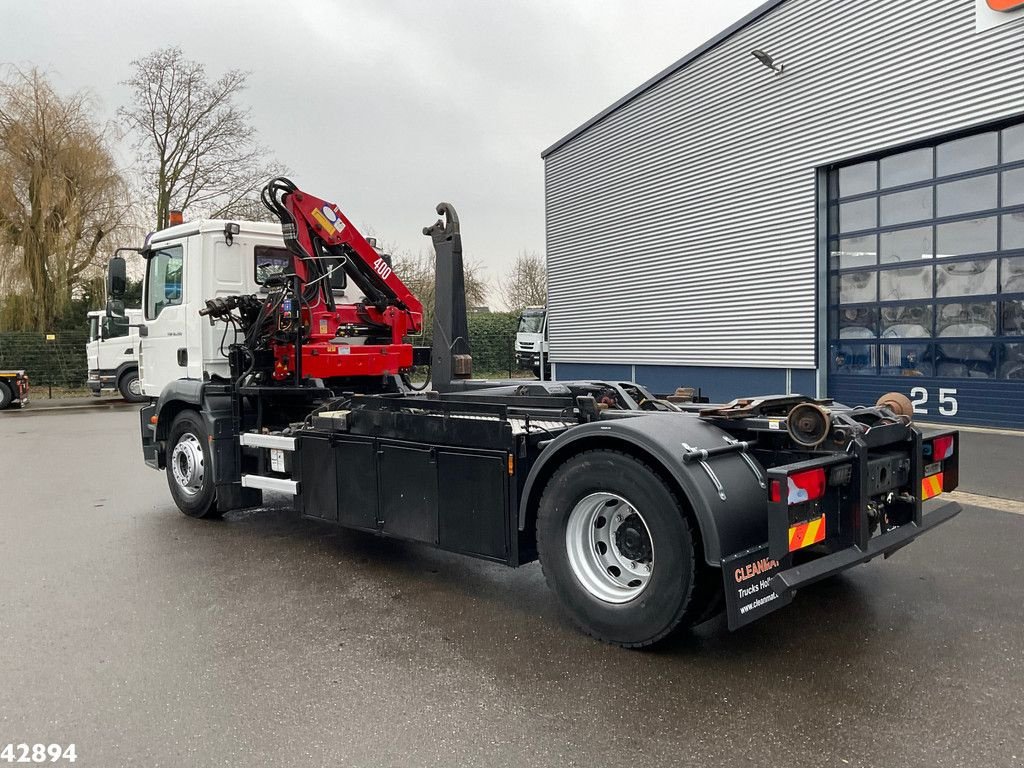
(948, 405)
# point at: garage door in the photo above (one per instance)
(926, 278)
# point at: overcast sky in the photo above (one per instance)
(389, 106)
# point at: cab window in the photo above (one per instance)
(164, 283)
(278, 261)
(270, 262)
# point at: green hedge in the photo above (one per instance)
(492, 341)
(492, 338)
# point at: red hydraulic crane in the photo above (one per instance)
(332, 340)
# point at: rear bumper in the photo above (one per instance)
(757, 584)
(788, 581)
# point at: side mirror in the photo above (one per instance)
(117, 286)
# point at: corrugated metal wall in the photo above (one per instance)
(681, 227)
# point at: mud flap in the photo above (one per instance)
(747, 581)
(150, 447)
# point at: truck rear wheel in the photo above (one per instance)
(6, 396)
(130, 387)
(189, 466)
(617, 548)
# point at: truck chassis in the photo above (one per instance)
(648, 515)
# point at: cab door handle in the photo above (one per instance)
(182, 357)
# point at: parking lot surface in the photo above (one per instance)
(147, 638)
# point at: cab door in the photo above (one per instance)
(115, 347)
(163, 347)
(92, 349)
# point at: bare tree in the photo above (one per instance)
(197, 147)
(418, 270)
(62, 197)
(526, 283)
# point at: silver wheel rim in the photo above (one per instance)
(610, 548)
(187, 466)
(135, 386)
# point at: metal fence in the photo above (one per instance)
(52, 361)
(57, 361)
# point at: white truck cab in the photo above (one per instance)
(112, 354)
(532, 341)
(188, 264)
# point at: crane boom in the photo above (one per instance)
(331, 340)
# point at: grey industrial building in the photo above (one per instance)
(849, 225)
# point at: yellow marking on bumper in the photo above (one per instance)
(931, 486)
(804, 534)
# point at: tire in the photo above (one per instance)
(190, 468)
(6, 396)
(130, 387)
(601, 497)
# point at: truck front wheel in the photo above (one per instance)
(189, 466)
(130, 387)
(617, 548)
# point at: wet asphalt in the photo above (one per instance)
(150, 639)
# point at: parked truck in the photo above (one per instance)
(647, 515)
(112, 354)
(532, 342)
(13, 388)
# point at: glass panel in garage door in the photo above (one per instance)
(906, 167)
(1013, 187)
(907, 245)
(1013, 144)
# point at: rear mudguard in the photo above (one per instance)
(730, 509)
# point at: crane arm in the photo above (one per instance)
(317, 232)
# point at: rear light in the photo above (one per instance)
(942, 448)
(806, 486)
(802, 486)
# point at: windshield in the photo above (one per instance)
(531, 323)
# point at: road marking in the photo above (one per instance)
(989, 502)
